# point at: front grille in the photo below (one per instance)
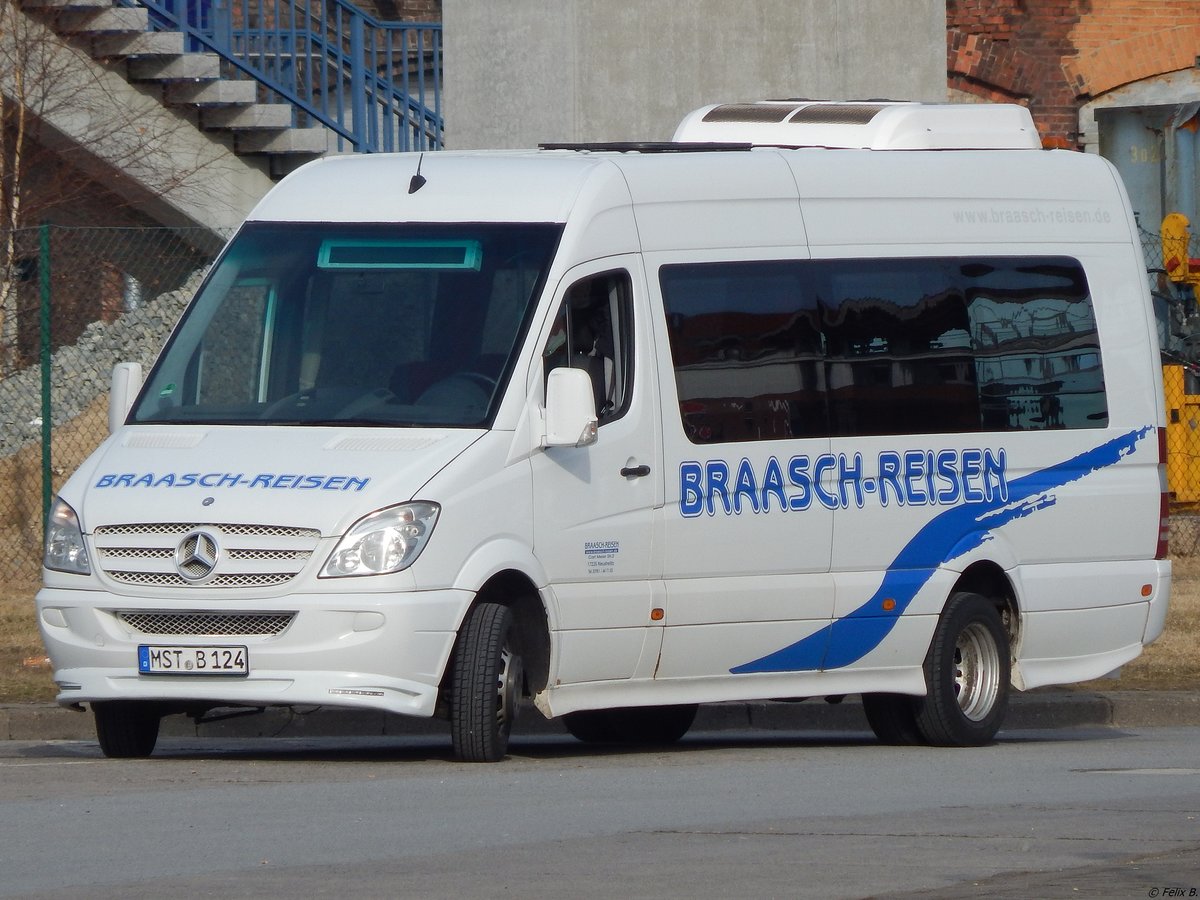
(269, 554)
(139, 553)
(181, 528)
(206, 624)
(168, 579)
(249, 556)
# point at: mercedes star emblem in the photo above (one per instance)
(196, 557)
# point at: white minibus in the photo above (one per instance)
(816, 399)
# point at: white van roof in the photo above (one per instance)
(870, 125)
(734, 189)
(475, 186)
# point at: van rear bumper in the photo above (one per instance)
(1160, 600)
(375, 651)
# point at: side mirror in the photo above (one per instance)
(126, 382)
(570, 409)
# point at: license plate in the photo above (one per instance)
(168, 659)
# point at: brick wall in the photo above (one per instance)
(421, 10)
(406, 10)
(1055, 55)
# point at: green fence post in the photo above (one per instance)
(47, 421)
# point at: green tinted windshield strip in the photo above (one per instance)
(338, 253)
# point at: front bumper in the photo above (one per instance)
(375, 651)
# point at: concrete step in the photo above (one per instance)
(272, 116)
(209, 93)
(148, 43)
(66, 4)
(184, 67)
(310, 141)
(189, 79)
(114, 19)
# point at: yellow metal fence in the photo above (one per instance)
(1182, 389)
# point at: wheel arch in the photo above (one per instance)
(531, 625)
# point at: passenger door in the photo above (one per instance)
(594, 506)
(751, 486)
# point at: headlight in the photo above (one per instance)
(65, 550)
(384, 542)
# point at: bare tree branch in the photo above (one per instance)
(81, 146)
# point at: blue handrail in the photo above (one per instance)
(376, 84)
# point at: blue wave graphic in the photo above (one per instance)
(946, 536)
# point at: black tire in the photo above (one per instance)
(893, 718)
(485, 693)
(645, 725)
(967, 672)
(126, 729)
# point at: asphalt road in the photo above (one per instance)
(1070, 812)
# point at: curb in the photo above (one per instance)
(1035, 710)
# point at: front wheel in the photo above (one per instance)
(967, 672)
(126, 730)
(486, 688)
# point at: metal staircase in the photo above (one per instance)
(285, 80)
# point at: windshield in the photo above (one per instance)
(395, 325)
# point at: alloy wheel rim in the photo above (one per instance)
(976, 672)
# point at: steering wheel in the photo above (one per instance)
(485, 381)
(311, 396)
(366, 401)
(449, 391)
(289, 402)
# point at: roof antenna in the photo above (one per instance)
(418, 180)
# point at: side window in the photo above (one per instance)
(847, 347)
(593, 331)
(746, 345)
(898, 350)
(1037, 352)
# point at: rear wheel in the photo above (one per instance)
(966, 674)
(486, 688)
(647, 725)
(893, 718)
(126, 729)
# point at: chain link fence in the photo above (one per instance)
(1178, 318)
(75, 302)
(1174, 304)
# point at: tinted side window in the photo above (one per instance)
(746, 344)
(1037, 353)
(778, 349)
(898, 349)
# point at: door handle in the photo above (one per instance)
(635, 471)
